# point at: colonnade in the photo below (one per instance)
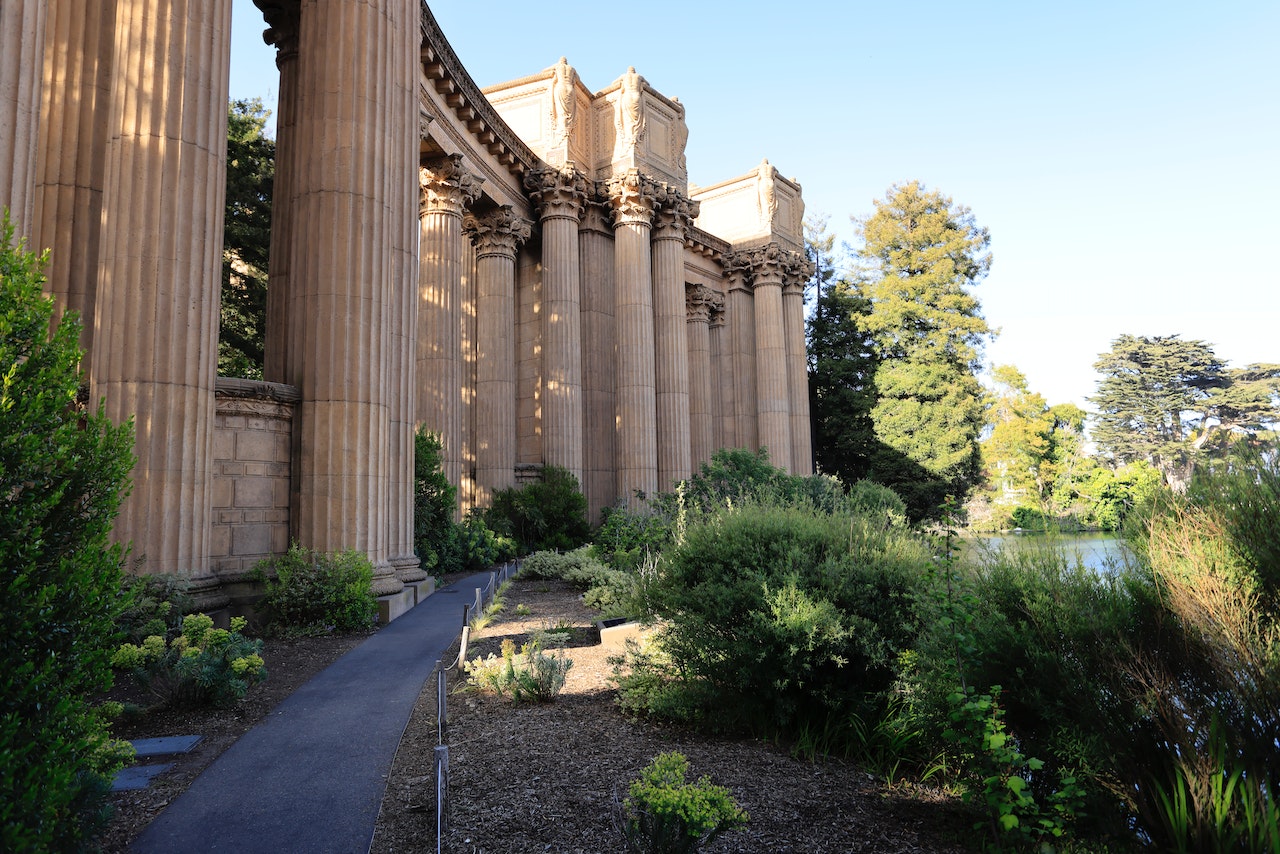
(396, 284)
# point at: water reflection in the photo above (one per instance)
(1099, 552)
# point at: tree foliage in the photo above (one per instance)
(921, 252)
(63, 473)
(1166, 400)
(842, 365)
(246, 240)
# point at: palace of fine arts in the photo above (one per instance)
(525, 270)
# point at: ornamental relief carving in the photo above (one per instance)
(698, 303)
(629, 113)
(717, 309)
(564, 101)
(675, 214)
(446, 186)
(634, 198)
(557, 192)
(769, 264)
(282, 27)
(498, 232)
(737, 270)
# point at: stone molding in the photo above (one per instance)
(255, 398)
(557, 193)
(449, 77)
(499, 232)
(699, 303)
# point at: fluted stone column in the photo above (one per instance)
(22, 24)
(72, 163)
(282, 20)
(447, 187)
(156, 343)
(721, 374)
(773, 406)
(698, 303)
(357, 87)
(740, 319)
(559, 196)
(599, 364)
(671, 338)
(797, 365)
(633, 203)
(497, 237)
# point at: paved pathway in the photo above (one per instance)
(310, 777)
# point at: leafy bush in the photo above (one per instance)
(548, 514)
(312, 593)
(786, 615)
(665, 815)
(154, 605)
(628, 537)
(530, 674)
(63, 473)
(201, 666)
(606, 590)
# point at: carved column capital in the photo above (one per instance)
(797, 271)
(716, 304)
(634, 198)
(557, 193)
(447, 186)
(282, 27)
(498, 232)
(674, 215)
(737, 271)
(769, 264)
(698, 303)
(424, 124)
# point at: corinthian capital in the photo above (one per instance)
(447, 186)
(675, 214)
(797, 271)
(769, 265)
(633, 197)
(282, 27)
(498, 232)
(557, 193)
(699, 302)
(717, 309)
(737, 270)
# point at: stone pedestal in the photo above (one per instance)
(633, 203)
(156, 340)
(496, 237)
(559, 195)
(773, 408)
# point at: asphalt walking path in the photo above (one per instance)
(310, 777)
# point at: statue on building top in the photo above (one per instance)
(564, 100)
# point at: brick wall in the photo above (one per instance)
(252, 443)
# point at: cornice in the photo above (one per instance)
(452, 81)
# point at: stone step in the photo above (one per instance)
(140, 776)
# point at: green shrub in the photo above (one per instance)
(869, 498)
(548, 514)
(663, 814)
(63, 472)
(154, 605)
(312, 593)
(201, 666)
(627, 538)
(530, 674)
(787, 615)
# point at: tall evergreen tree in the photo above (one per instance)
(246, 240)
(841, 365)
(1152, 395)
(920, 254)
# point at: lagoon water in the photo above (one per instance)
(1099, 552)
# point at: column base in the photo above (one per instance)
(408, 568)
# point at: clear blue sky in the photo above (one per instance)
(1124, 155)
